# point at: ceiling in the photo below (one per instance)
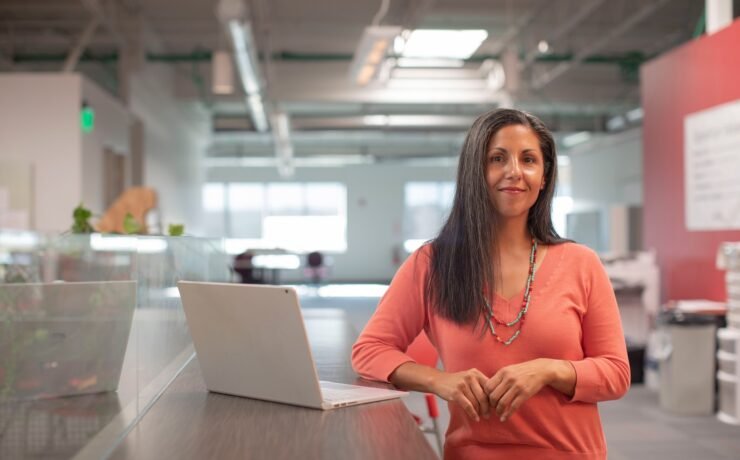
(589, 74)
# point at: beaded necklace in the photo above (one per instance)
(491, 317)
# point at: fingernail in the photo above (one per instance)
(503, 419)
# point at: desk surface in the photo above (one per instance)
(188, 422)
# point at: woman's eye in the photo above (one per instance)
(530, 160)
(497, 158)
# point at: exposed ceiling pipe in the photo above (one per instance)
(583, 12)
(512, 32)
(74, 56)
(96, 9)
(283, 144)
(233, 15)
(384, 4)
(548, 77)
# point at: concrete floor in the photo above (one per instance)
(635, 426)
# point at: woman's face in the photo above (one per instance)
(515, 170)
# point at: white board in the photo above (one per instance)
(712, 168)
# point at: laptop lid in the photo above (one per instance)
(251, 341)
(63, 339)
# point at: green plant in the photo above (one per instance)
(130, 225)
(81, 223)
(176, 229)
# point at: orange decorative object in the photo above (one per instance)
(136, 200)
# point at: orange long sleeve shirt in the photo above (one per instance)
(573, 316)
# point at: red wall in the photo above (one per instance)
(701, 74)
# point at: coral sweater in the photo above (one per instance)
(573, 316)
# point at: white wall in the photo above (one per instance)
(175, 138)
(111, 131)
(40, 126)
(606, 176)
(607, 171)
(374, 210)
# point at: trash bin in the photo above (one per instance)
(686, 365)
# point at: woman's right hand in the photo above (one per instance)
(466, 389)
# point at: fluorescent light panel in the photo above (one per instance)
(429, 62)
(246, 63)
(418, 120)
(257, 109)
(616, 123)
(576, 138)
(371, 52)
(634, 115)
(451, 44)
(247, 72)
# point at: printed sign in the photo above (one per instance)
(712, 168)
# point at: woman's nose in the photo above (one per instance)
(513, 168)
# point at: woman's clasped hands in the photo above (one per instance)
(504, 393)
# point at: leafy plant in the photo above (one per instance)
(81, 220)
(130, 225)
(176, 229)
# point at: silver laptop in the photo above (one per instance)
(63, 339)
(251, 341)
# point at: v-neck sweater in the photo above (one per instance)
(573, 316)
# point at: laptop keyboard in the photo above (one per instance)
(338, 395)
(333, 392)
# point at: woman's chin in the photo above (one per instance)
(512, 213)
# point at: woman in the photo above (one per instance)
(525, 322)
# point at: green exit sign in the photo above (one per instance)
(87, 118)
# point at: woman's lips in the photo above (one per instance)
(511, 190)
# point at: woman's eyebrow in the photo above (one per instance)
(499, 148)
(506, 151)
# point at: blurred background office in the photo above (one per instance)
(315, 143)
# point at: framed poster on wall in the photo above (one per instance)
(712, 168)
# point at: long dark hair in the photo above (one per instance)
(462, 252)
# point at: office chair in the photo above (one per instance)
(315, 267)
(423, 352)
(243, 267)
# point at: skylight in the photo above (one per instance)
(451, 44)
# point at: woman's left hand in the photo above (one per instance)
(513, 385)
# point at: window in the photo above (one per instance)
(245, 206)
(299, 217)
(213, 209)
(426, 206)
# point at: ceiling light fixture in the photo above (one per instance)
(246, 63)
(494, 73)
(577, 138)
(233, 15)
(375, 120)
(543, 47)
(283, 145)
(615, 123)
(634, 115)
(371, 52)
(429, 63)
(451, 44)
(399, 43)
